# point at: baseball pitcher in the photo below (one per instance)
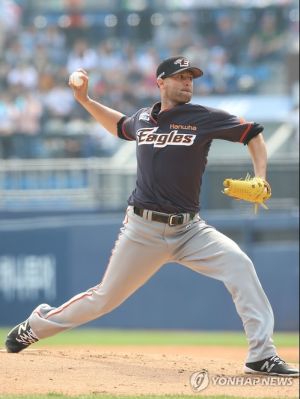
(162, 222)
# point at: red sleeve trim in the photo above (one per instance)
(124, 132)
(245, 132)
(153, 120)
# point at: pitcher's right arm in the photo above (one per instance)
(106, 116)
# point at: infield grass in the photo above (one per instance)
(96, 336)
(57, 396)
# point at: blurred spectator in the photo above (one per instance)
(24, 75)
(38, 113)
(58, 102)
(108, 57)
(42, 61)
(13, 51)
(229, 35)
(81, 56)
(7, 114)
(178, 31)
(29, 113)
(54, 41)
(198, 53)
(28, 41)
(27, 143)
(147, 61)
(10, 15)
(101, 143)
(267, 43)
(72, 148)
(221, 72)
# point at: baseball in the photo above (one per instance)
(76, 79)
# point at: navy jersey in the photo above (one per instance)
(172, 148)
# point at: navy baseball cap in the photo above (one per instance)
(174, 65)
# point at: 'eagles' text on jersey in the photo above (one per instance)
(172, 148)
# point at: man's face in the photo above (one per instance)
(177, 88)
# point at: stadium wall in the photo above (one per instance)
(50, 259)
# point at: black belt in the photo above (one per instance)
(172, 219)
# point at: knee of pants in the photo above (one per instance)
(242, 281)
(238, 263)
(106, 301)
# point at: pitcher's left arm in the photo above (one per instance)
(258, 151)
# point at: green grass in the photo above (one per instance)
(84, 336)
(58, 396)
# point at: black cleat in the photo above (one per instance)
(271, 366)
(20, 337)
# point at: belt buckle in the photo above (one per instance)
(171, 218)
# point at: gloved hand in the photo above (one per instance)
(252, 189)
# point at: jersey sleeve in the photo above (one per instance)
(126, 128)
(232, 128)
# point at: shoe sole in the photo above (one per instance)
(10, 349)
(247, 370)
(4, 350)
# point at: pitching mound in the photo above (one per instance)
(137, 370)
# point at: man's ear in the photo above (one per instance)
(159, 82)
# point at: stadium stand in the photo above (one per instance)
(249, 69)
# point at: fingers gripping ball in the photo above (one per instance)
(251, 189)
(76, 79)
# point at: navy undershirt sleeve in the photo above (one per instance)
(254, 131)
(120, 129)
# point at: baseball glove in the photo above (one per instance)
(252, 189)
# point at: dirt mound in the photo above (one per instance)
(137, 370)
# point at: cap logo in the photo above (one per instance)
(182, 62)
